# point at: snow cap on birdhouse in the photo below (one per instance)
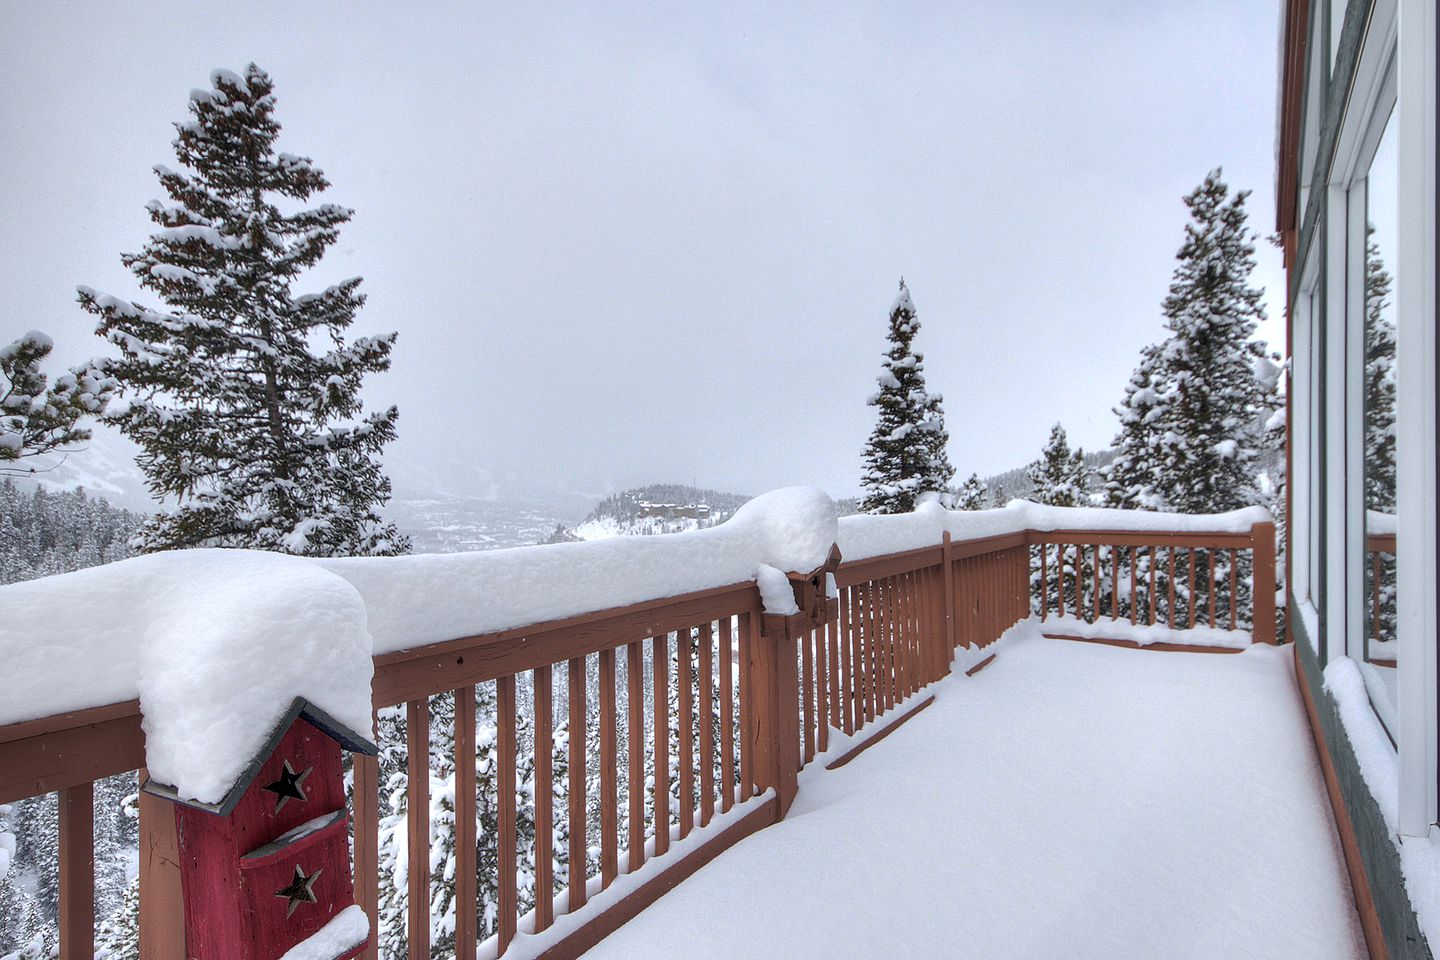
(300, 709)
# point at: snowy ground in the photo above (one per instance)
(1070, 800)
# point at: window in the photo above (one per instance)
(1378, 652)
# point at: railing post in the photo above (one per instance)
(162, 905)
(775, 729)
(1262, 538)
(775, 683)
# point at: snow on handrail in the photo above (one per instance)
(865, 536)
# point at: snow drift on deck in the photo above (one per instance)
(1070, 800)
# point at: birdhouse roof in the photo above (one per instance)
(347, 738)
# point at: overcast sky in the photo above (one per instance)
(641, 242)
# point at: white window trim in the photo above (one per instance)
(1415, 404)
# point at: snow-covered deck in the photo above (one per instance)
(1070, 800)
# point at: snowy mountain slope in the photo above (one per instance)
(654, 509)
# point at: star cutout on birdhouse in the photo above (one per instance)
(301, 890)
(290, 786)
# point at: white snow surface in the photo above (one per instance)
(775, 591)
(1159, 805)
(425, 599)
(1380, 768)
(863, 535)
(345, 931)
(1144, 634)
(216, 644)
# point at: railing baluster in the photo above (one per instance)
(417, 799)
(832, 678)
(635, 758)
(912, 628)
(1170, 566)
(886, 614)
(873, 706)
(1134, 585)
(727, 716)
(544, 696)
(659, 647)
(1114, 583)
(1153, 561)
(685, 732)
(706, 688)
(576, 794)
(747, 773)
(855, 691)
(1210, 574)
(466, 902)
(505, 814)
(902, 638)
(77, 872)
(1044, 582)
(1060, 579)
(609, 764)
(1234, 594)
(1190, 588)
(807, 695)
(1095, 596)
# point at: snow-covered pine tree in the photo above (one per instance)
(1059, 476)
(1059, 479)
(999, 496)
(1379, 385)
(1380, 426)
(973, 494)
(1192, 447)
(37, 417)
(1132, 479)
(905, 455)
(259, 438)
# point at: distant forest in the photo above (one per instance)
(44, 532)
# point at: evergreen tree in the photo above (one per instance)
(973, 494)
(1133, 479)
(905, 455)
(1193, 412)
(1379, 385)
(999, 496)
(119, 937)
(37, 417)
(1059, 476)
(260, 439)
(1380, 433)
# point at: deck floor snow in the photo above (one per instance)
(1069, 801)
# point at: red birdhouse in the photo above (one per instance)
(269, 866)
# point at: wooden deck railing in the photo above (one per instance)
(735, 700)
(1182, 580)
